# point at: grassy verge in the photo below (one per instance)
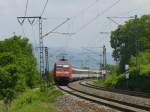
(34, 101)
(135, 82)
(110, 81)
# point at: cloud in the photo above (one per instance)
(10, 9)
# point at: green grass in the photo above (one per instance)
(40, 101)
(110, 81)
(135, 82)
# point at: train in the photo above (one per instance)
(64, 72)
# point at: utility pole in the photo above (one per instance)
(31, 20)
(100, 66)
(47, 78)
(46, 62)
(104, 60)
(104, 56)
(42, 68)
(137, 50)
(137, 56)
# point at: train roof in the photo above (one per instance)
(63, 61)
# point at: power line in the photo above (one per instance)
(23, 31)
(85, 9)
(42, 69)
(112, 18)
(21, 21)
(91, 5)
(97, 16)
(91, 51)
(56, 27)
(34, 38)
(136, 9)
(110, 7)
(44, 8)
(26, 8)
(64, 33)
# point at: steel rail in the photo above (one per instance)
(126, 92)
(115, 104)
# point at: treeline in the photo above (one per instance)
(131, 40)
(131, 44)
(18, 67)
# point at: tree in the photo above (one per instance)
(127, 38)
(18, 68)
(8, 81)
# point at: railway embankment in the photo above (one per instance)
(70, 103)
(34, 101)
(124, 99)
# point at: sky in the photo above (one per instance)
(80, 12)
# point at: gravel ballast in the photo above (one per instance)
(69, 103)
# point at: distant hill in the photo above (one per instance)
(78, 57)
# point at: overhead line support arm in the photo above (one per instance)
(56, 27)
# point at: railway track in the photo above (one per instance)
(87, 93)
(91, 84)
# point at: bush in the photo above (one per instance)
(35, 101)
(145, 69)
(135, 82)
(111, 80)
(144, 59)
(18, 68)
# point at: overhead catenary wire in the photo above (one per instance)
(98, 15)
(23, 31)
(63, 33)
(112, 18)
(34, 37)
(110, 7)
(135, 9)
(44, 8)
(26, 9)
(85, 9)
(22, 21)
(56, 27)
(91, 51)
(82, 11)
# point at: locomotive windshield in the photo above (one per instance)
(62, 67)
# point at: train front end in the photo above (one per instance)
(62, 72)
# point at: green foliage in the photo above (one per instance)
(6, 58)
(35, 101)
(144, 59)
(8, 81)
(135, 82)
(17, 66)
(111, 80)
(50, 80)
(124, 40)
(145, 69)
(110, 67)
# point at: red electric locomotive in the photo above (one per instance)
(62, 71)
